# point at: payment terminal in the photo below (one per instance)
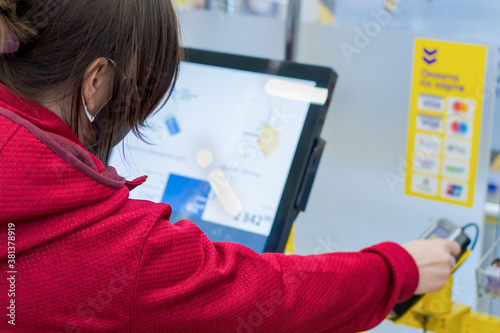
(443, 229)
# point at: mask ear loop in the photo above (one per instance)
(91, 118)
(96, 126)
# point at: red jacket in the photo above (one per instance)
(86, 258)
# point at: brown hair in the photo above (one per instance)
(59, 40)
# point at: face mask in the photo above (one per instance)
(97, 122)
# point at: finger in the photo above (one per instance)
(453, 262)
(454, 248)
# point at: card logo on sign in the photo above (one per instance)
(458, 149)
(427, 144)
(429, 165)
(456, 169)
(459, 128)
(429, 123)
(424, 184)
(430, 103)
(461, 107)
(454, 190)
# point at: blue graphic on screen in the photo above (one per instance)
(187, 196)
(173, 126)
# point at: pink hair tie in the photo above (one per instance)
(11, 45)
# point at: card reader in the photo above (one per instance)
(443, 229)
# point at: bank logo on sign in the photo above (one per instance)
(430, 56)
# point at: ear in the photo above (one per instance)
(94, 80)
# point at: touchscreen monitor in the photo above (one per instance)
(222, 150)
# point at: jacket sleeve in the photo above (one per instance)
(186, 283)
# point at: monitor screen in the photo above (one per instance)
(219, 151)
(439, 233)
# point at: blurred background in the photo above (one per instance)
(477, 19)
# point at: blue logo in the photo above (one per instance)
(187, 196)
(430, 56)
(173, 126)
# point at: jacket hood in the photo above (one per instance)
(48, 180)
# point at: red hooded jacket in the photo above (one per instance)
(77, 255)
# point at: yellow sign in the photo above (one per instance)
(445, 120)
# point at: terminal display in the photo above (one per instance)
(221, 150)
